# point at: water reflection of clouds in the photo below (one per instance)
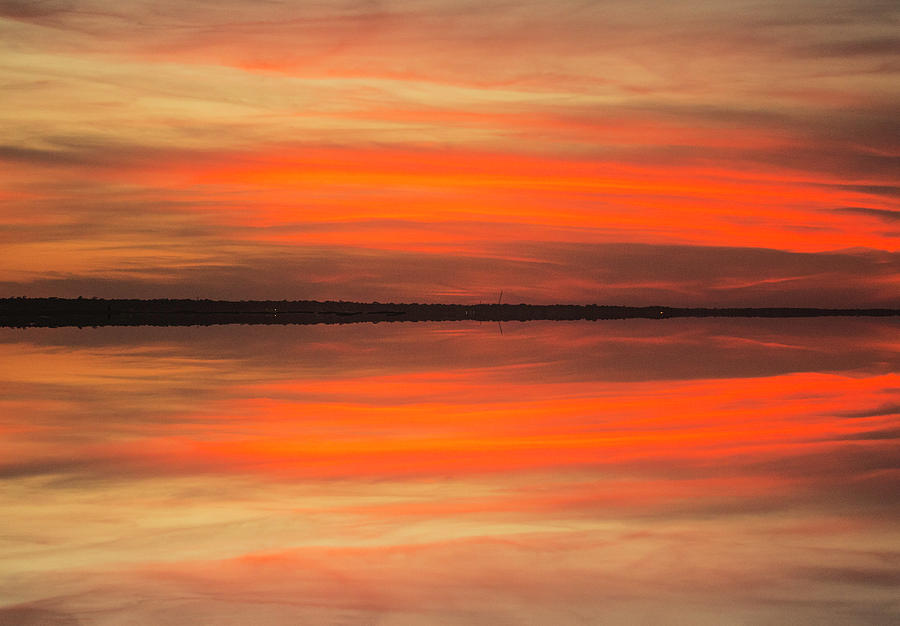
(604, 350)
(584, 471)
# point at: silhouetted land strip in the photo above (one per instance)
(51, 312)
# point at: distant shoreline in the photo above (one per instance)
(57, 312)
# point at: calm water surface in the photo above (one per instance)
(619, 472)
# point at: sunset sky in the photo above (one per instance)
(727, 152)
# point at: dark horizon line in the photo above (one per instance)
(24, 312)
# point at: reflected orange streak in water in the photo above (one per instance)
(369, 434)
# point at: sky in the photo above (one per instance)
(707, 153)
